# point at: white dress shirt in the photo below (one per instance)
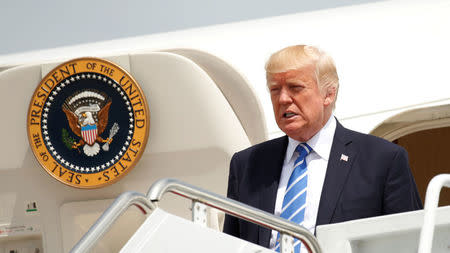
(316, 163)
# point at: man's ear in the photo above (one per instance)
(330, 96)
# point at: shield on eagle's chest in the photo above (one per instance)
(89, 133)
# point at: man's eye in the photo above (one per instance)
(296, 87)
(274, 89)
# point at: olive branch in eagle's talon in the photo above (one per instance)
(67, 140)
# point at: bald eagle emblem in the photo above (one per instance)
(87, 113)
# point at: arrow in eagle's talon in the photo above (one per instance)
(113, 131)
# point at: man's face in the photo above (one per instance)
(300, 108)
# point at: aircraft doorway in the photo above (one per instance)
(425, 133)
(429, 156)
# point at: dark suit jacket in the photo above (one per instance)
(375, 180)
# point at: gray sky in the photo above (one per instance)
(31, 25)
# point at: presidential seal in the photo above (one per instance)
(88, 123)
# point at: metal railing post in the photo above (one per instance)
(199, 215)
(286, 243)
(429, 217)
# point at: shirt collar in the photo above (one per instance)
(320, 143)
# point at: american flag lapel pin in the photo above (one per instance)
(344, 158)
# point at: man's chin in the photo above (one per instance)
(296, 133)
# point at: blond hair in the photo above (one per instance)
(299, 56)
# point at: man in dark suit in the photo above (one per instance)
(346, 176)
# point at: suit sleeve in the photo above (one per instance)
(400, 191)
(231, 224)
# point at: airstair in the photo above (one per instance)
(165, 232)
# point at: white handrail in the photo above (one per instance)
(102, 225)
(431, 204)
(236, 209)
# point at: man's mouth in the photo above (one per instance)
(289, 114)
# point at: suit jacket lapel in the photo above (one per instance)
(337, 171)
(272, 165)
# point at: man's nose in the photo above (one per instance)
(285, 97)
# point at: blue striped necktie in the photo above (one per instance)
(294, 202)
